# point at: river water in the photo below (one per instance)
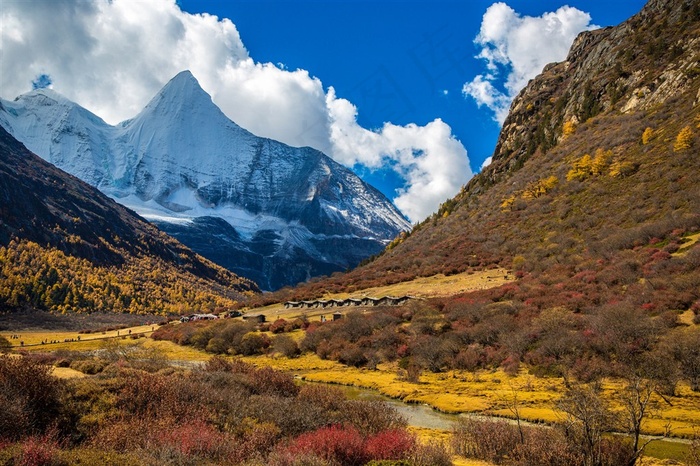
(417, 415)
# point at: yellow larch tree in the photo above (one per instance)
(684, 140)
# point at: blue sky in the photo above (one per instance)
(393, 89)
(406, 53)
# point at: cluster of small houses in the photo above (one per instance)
(366, 301)
(196, 317)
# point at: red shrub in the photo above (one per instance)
(470, 358)
(190, 442)
(336, 443)
(586, 276)
(39, 451)
(196, 438)
(156, 395)
(392, 444)
(649, 307)
(278, 326)
(511, 365)
(222, 364)
(403, 351)
(660, 256)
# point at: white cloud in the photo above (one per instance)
(482, 90)
(112, 56)
(429, 158)
(520, 46)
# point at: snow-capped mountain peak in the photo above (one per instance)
(182, 94)
(181, 160)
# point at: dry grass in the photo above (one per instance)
(423, 287)
(459, 461)
(95, 341)
(175, 352)
(437, 285)
(88, 341)
(690, 241)
(437, 435)
(686, 318)
(67, 373)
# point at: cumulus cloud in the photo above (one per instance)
(429, 158)
(519, 47)
(112, 56)
(482, 90)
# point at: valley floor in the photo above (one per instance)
(490, 393)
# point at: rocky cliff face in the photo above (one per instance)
(644, 62)
(276, 214)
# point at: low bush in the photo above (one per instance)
(222, 364)
(267, 381)
(39, 452)
(93, 456)
(491, 441)
(430, 454)
(391, 444)
(341, 445)
(89, 366)
(227, 412)
(499, 442)
(370, 417)
(30, 397)
(286, 458)
(285, 345)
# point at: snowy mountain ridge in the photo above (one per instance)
(292, 213)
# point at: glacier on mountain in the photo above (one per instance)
(288, 213)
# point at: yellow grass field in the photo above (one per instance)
(54, 340)
(493, 393)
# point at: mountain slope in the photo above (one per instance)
(182, 159)
(546, 210)
(64, 246)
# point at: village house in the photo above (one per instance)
(366, 301)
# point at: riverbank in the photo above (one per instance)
(493, 393)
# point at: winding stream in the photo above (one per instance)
(417, 415)
(424, 416)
